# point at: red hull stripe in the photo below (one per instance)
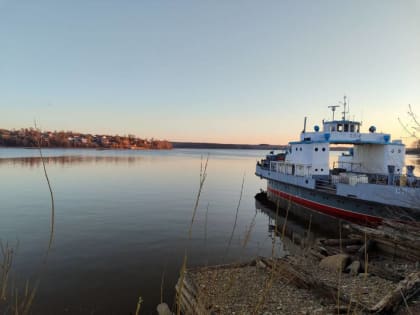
(337, 212)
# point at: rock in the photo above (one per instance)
(163, 309)
(335, 262)
(323, 250)
(354, 268)
(261, 264)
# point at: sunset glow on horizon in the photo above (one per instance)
(225, 72)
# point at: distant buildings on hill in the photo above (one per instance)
(67, 139)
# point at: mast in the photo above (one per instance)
(333, 107)
(344, 112)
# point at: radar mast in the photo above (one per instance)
(344, 112)
(333, 107)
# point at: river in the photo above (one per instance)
(122, 221)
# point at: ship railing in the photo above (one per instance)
(354, 178)
(290, 168)
(396, 180)
(349, 166)
(349, 178)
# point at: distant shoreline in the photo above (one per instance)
(205, 145)
(30, 137)
(202, 145)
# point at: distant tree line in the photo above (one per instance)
(30, 137)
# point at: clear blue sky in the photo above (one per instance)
(220, 71)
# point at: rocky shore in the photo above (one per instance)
(296, 285)
(370, 271)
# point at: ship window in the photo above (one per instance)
(316, 170)
(323, 149)
(322, 169)
(332, 128)
(296, 148)
(316, 149)
(358, 128)
(399, 150)
(346, 127)
(300, 149)
(351, 128)
(339, 127)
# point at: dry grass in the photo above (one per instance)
(17, 302)
(236, 216)
(203, 176)
(138, 307)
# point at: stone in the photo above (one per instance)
(163, 309)
(335, 263)
(261, 264)
(354, 268)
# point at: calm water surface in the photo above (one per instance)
(122, 221)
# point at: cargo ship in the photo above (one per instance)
(368, 183)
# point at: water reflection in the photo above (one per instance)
(69, 159)
(122, 220)
(297, 232)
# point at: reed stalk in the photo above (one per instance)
(405, 303)
(273, 273)
(139, 302)
(203, 176)
(161, 286)
(236, 216)
(339, 269)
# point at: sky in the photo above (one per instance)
(207, 71)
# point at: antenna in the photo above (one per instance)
(333, 107)
(344, 112)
